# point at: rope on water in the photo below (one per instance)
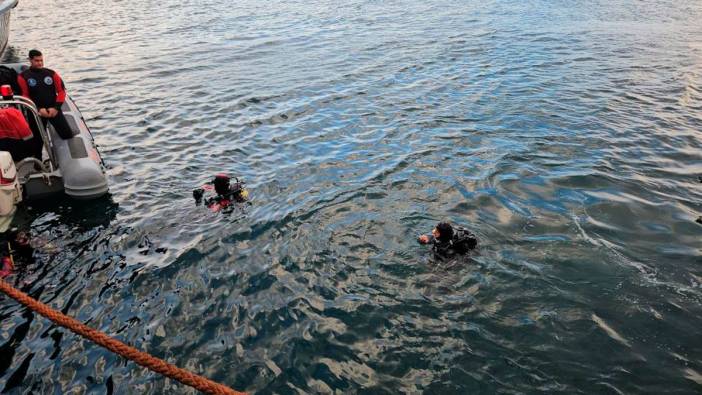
(148, 361)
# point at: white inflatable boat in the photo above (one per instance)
(69, 166)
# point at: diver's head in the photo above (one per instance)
(221, 184)
(443, 232)
(36, 59)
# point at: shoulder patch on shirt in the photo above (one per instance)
(32, 82)
(48, 80)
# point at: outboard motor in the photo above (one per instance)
(10, 192)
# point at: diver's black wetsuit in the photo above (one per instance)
(47, 90)
(461, 242)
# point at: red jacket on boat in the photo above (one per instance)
(13, 125)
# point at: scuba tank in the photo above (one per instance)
(223, 187)
(463, 239)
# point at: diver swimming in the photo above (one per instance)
(225, 193)
(448, 240)
(15, 244)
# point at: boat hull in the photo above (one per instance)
(6, 7)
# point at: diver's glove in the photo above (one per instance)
(425, 239)
(197, 194)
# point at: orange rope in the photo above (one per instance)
(116, 346)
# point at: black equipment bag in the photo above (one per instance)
(8, 76)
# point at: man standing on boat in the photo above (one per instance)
(47, 91)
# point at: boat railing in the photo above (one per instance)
(24, 103)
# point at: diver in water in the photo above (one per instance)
(448, 240)
(15, 246)
(225, 193)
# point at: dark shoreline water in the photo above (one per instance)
(567, 136)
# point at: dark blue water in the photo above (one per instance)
(566, 134)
